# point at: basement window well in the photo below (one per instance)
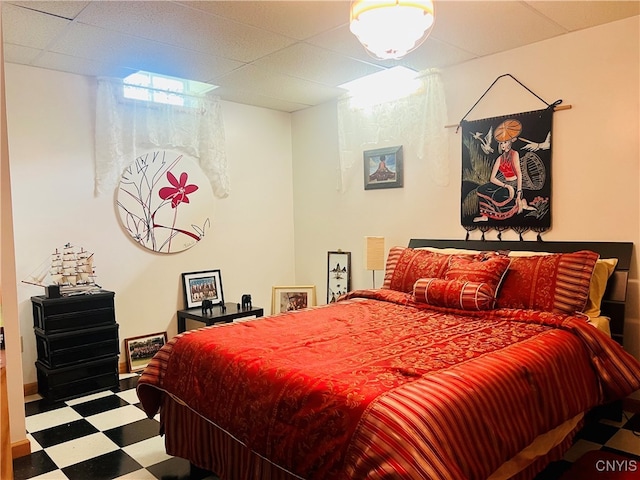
(156, 88)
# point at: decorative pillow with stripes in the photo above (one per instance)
(406, 265)
(556, 283)
(462, 295)
(489, 269)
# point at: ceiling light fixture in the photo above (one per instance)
(389, 29)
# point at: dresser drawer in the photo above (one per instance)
(58, 350)
(74, 381)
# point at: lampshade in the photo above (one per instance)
(391, 28)
(374, 253)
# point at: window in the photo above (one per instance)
(153, 87)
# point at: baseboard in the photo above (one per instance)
(30, 389)
(21, 448)
(122, 368)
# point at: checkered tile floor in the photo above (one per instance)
(98, 437)
(108, 436)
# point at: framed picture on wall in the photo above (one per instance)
(338, 274)
(383, 168)
(140, 350)
(204, 285)
(287, 299)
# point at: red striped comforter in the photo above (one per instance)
(376, 386)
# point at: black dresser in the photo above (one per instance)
(78, 345)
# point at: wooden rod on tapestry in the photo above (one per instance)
(559, 107)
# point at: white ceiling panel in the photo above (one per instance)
(294, 19)
(485, 28)
(30, 28)
(284, 55)
(60, 8)
(80, 66)
(592, 13)
(279, 86)
(316, 64)
(20, 54)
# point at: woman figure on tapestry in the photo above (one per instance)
(501, 198)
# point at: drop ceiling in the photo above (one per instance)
(283, 55)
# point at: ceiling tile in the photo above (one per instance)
(113, 48)
(590, 13)
(175, 24)
(295, 19)
(61, 8)
(275, 85)
(20, 54)
(316, 64)
(25, 27)
(249, 97)
(81, 66)
(484, 28)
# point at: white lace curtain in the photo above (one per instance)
(125, 129)
(416, 121)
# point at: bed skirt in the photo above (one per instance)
(190, 436)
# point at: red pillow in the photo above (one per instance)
(489, 270)
(406, 265)
(454, 294)
(556, 283)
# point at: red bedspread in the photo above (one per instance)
(378, 386)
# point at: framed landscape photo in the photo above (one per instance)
(140, 350)
(338, 274)
(204, 285)
(287, 299)
(383, 168)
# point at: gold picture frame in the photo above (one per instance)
(287, 299)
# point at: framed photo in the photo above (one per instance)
(383, 168)
(338, 274)
(286, 299)
(140, 350)
(199, 286)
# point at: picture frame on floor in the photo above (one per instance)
(287, 299)
(338, 274)
(140, 350)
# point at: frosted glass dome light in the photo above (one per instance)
(389, 29)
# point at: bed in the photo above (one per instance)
(471, 362)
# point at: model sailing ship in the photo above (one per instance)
(71, 269)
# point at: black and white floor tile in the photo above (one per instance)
(101, 436)
(108, 436)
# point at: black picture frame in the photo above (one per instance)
(203, 285)
(338, 274)
(383, 168)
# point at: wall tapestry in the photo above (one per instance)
(165, 201)
(506, 173)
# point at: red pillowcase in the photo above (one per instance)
(454, 294)
(489, 269)
(406, 265)
(556, 283)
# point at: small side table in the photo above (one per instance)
(217, 316)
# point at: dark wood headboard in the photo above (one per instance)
(613, 303)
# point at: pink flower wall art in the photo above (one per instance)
(165, 201)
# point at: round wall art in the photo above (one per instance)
(165, 201)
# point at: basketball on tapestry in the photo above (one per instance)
(506, 172)
(165, 201)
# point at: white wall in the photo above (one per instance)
(595, 164)
(51, 131)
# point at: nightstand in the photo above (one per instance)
(217, 316)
